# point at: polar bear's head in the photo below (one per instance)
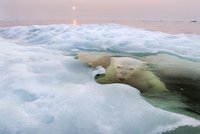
(126, 66)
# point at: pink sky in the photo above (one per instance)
(100, 9)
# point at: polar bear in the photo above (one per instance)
(132, 72)
(125, 70)
(150, 74)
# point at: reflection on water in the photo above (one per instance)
(74, 22)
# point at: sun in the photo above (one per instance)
(73, 8)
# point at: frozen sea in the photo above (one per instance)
(44, 89)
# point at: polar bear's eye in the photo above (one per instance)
(118, 67)
(131, 69)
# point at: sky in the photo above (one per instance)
(100, 9)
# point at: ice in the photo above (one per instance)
(101, 37)
(98, 70)
(44, 90)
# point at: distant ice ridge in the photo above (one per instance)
(104, 37)
(44, 91)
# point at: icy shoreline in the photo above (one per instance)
(44, 89)
(171, 27)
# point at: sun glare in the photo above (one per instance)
(73, 8)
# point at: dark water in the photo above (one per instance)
(181, 77)
(184, 90)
